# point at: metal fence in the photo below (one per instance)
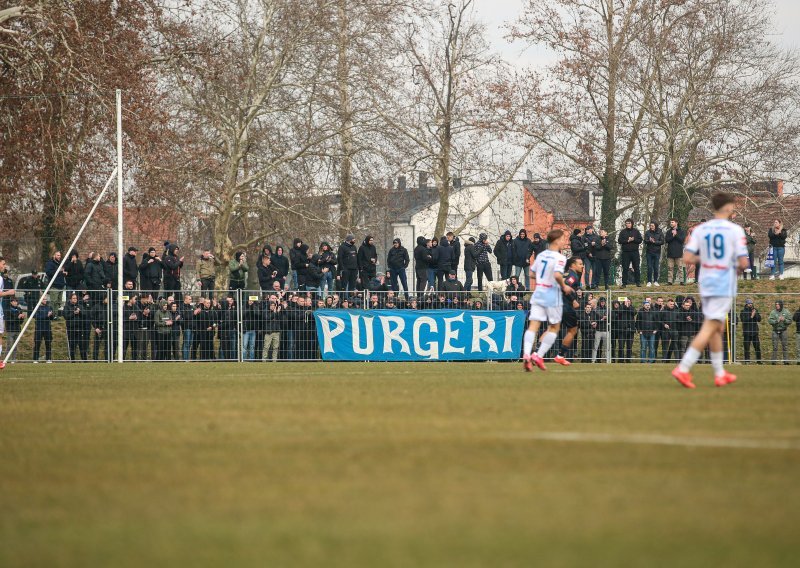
(278, 325)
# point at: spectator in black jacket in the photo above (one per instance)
(522, 246)
(538, 244)
(111, 270)
(73, 273)
(647, 325)
(43, 331)
(586, 332)
(675, 237)
(31, 286)
(267, 274)
(130, 268)
(777, 240)
(670, 336)
(172, 262)
(396, 262)
(76, 318)
(689, 321)
(347, 259)
(187, 311)
(150, 272)
(298, 257)
(95, 277)
(367, 260)
(14, 316)
(281, 264)
(603, 251)
(483, 266)
(421, 257)
(600, 326)
(504, 252)
(313, 273)
(455, 244)
(629, 240)
(654, 240)
(590, 242)
(749, 318)
(576, 244)
(444, 262)
(470, 262)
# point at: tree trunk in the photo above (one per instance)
(443, 181)
(346, 114)
(610, 183)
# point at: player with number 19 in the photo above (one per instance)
(720, 246)
(547, 280)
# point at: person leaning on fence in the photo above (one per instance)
(749, 319)
(779, 319)
(751, 252)
(163, 324)
(228, 330)
(76, 319)
(586, 332)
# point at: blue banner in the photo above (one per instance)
(411, 335)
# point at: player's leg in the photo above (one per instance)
(566, 343)
(529, 338)
(548, 339)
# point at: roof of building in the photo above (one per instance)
(567, 202)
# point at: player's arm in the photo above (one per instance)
(741, 251)
(559, 277)
(691, 250)
(10, 292)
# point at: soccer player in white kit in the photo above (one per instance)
(720, 247)
(3, 293)
(547, 281)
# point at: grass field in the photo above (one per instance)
(396, 465)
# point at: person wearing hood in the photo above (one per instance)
(110, 271)
(654, 240)
(172, 263)
(504, 252)
(207, 273)
(94, 276)
(397, 261)
(130, 268)
(237, 272)
(779, 319)
(444, 262)
(281, 264)
(367, 260)
(470, 262)
(484, 267)
(421, 257)
(73, 273)
(313, 273)
(150, 272)
(347, 259)
(298, 257)
(576, 244)
(538, 245)
(522, 246)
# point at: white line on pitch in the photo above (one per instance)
(654, 439)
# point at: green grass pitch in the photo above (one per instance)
(396, 465)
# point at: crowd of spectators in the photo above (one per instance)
(161, 322)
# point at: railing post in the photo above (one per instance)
(239, 326)
(607, 342)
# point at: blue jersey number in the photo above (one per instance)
(544, 269)
(715, 245)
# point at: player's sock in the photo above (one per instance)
(689, 359)
(527, 342)
(547, 342)
(716, 364)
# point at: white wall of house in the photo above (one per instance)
(505, 212)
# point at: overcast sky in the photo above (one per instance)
(497, 12)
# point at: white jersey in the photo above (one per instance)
(719, 243)
(544, 268)
(2, 287)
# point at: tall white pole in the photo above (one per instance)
(121, 252)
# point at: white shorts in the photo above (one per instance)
(716, 307)
(2, 324)
(540, 313)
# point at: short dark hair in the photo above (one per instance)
(629, 220)
(554, 235)
(571, 261)
(673, 219)
(721, 199)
